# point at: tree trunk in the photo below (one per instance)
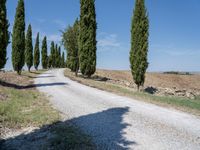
(19, 72)
(138, 88)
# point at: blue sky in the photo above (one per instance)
(174, 42)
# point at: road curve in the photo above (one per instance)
(116, 122)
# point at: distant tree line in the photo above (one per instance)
(79, 41)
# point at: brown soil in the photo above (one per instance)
(157, 80)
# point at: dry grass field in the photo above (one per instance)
(189, 82)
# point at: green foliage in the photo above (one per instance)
(87, 43)
(4, 34)
(139, 43)
(18, 38)
(63, 60)
(68, 44)
(29, 48)
(37, 53)
(71, 44)
(51, 56)
(49, 61)
(57, 56)
(44, 53)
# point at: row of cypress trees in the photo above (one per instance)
(22, 46)
(80, 42)
(56, 59)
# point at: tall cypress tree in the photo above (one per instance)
(139, 43)
(29, 48)
(51, 57)
(4, 34)
(18, 38)
(44, 53)
(37, 52)
(71, 44)
(88, 26)
(75, 54)
(59, 57)
(63, 60)
(56, 56)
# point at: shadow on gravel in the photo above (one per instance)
(15, 86)
(105, 128)
(39, 76)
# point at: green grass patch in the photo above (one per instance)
(25, 107)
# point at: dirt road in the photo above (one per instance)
(116, 122)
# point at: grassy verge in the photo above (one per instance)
(184, 104)
(27, 107)
(24, 108)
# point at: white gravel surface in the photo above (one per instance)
(116, 122)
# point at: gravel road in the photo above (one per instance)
(116, 122)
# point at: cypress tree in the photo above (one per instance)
(18, 38)
(139, 43)
(37, 52)
(75, 58)
(71, 44)
(29, 48)
(4, 34)
(56, 56)
(63, 60)
(87, 47)
(51, 57)
(49, 62)
(44, 53)
(68, 41)
(59, 57)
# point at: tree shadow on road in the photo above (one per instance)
(105, 128)
(16, 86)
(48, 76)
